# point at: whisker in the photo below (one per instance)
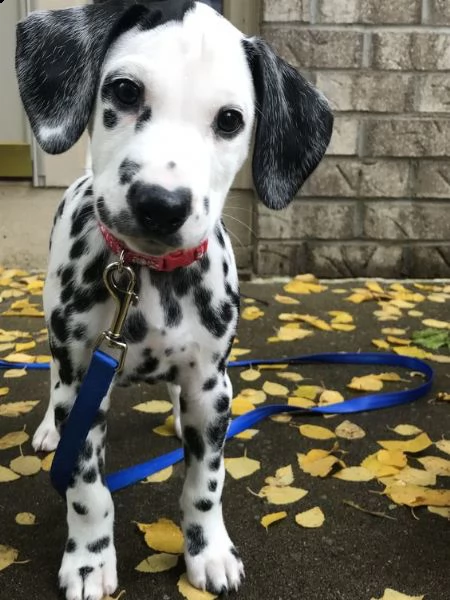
(240, 222)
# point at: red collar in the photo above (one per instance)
(167, 262)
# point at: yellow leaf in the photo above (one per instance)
(310, 519)
(412, 351)
(381, 344)
(340, 317)
(393, 595)
(154, 406)
(26, 465)
(315, 322)
(46, 463)
(191, 593)
(290, 376)
(392, 458)
(368, 383)
(14, 373)
(388, 377)
(15, 409)
(20, 358)
(328, 397)
(6, 475)
(374, 286)
(288, 334)
(267, 520)
(4, 391)
(354, 474)
(13, 439)
(282, 495)
(241, 467)
(281, 418)
(251, 313)
(349, 431)
(359, 298)
(302, 287)
(439, 298)
(398, 341)
(8, 556)
(158, 563)
(415, 495)
(168, 429)
(436, 465)
(43, 358)
(372, 464)
(286, 299)
(163, 536)
(417, 444)
(240, 406)
(275, 389)
(393, 331)
(237, 352)
(415, 313)
(407, 430)
(434, 324)
(416, 477)
(439, 358)
(308, 391)
(253, 396)
(444, 446)
(300, 402)
(159, 477)
(25, 518)
(443, 397)
(442, 512)
(318, 463)
(343, 327)
(25, 346)
(276, 367)
(283, 477)
(248, 434)
(250, 375)
(316, 432)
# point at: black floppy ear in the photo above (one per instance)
(59, 55)
(294, 126)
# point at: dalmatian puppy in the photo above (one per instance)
(171, 93)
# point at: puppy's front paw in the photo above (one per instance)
(216, 567)
(46, 438)
(88, 575)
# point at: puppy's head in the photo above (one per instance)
(171, 92)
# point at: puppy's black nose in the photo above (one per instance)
(159, 210)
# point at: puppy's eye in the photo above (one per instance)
(229, 122)
(127, 92)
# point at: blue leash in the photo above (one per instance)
(103, 367)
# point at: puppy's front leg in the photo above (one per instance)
(211, 558)
(88, 570)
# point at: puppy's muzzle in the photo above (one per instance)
(159, 211)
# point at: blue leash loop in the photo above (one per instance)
(103, 368)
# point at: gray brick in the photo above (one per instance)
(432, 93)
(286, 10)
(411, 51)
(367, 92)
(408, 137)
(340, 177)
(369, 11)
(306, 48)
(430, 261)
(344, 141)
(306, 219)
(275, 258)
(433, 180)
(406, 220)
(439, 12)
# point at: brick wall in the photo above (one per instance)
(379, 204)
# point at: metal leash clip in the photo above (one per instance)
(123, 294)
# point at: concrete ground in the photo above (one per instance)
(353, 556)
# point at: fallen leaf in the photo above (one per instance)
(407, 430)
(271, 518)
(241, 467)
(381, 344)
(308, 391)
(415, 495)
(251, 313)
(392, 458)
(26, 465)
(240, 406)
(303, 287)
(441, 511)
(340, 316)
(46, 463)
(13, 439)
(286, 299)
(4, 391)
(343, 327)
(416, 477)
(412, 351)
(354, 474)
(6, 475)
(378, 469)
(417, 444)
(248, 434)
(8, 556)
(282, 495)
(300, 402)
(436, 465)
(15, 409)
(316, 432)
(288, 334)
(393, 331)
(159, 477)
(14, 373)
(290, 376)
(250, 375)
(318, 463)
(20, 357)
(393, 595)
(20, 347)
(435, 324)
(443, 397)
(254, 396)
(329, 397)
(158, 563)
(349, 431)
(191, 593)
(154, 406)
(284, 476)
(275, 389)
(25, 518)
(163, 536)
(168, 429)
(368, 383)
(443, 446)
(310, 519)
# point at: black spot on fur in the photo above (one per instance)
(78, 249)
(183, 403)
(59, 326)
(80, 332)
(71, 546)
(150, 363)
(219, 236)
(235, 553)
(214, 463)
(80, 509)
(171, 375)
(67, 292)
(67, 275)
(57, 385)
(100, 419)
(194, 442)
(90, 476)
(206, 204)
(93, 273)
(87, 451)
(144, 117)
(212, 485)
(110, 119)
(61, 413)
(226, 268)
(209, 317)
(226, 312)
(61, 354)
(104, 212)
(195, 539)
(80, 218)
(217, 431)
(136, 327)
(205, 263)
(222, 403)
(127, 170)
(210, 384)
(168, 351)
(204, 505)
